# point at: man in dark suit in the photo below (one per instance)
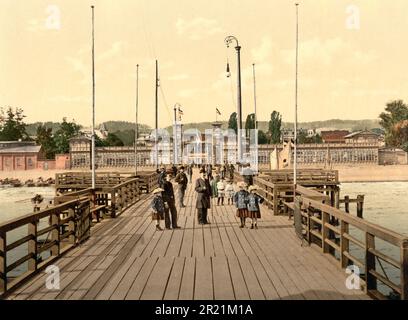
(169, 204)
(182, 180)
(203, 203)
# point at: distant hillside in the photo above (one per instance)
(351, 125)
(32, 127)
(114, 126)
(126, 126)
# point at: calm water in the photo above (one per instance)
(385, 203)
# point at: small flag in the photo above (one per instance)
(218, 111)
(180, 111)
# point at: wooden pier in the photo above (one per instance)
(125, 258)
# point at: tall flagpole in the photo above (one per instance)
(296, 98)
(256, 117)
(93, 98)
(137, 110)
(157, 115)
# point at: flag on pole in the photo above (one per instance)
(218, 111)
(180, 113)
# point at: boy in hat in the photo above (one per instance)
(157, 206)
(254, 200)
(241, 202)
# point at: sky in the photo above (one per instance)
(352, 58)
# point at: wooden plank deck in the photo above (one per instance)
(127, 259)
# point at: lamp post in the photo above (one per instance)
(175, 136)
(137, 107)
(93, 100)
(256, 119)
(228, 40)
(296, 100)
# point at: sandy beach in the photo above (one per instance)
(367, 173)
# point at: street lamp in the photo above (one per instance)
(228, 41)
(175, 135)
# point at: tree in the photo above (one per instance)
(46, 140)
(262, 137)
(393, 122)
(249, 123)
(400, 134)
(274, 129)
(112, 140)
(232, 122)
(66, 131)
(12, 126)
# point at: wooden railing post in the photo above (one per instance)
(325, 232)
(360, 204)
(55, 234)
(3, 262)
(344, 243)
(113, 203)
(71, 226)
(32, 245)
(371, 282)
(347, 204)
(275, 201)
(404, 269)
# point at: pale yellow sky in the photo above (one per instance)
(344, 73)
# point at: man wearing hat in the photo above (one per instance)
(181, 179)
(170, 211)
(162, 176)
(203, 203)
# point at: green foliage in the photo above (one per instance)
(393, 121)
(31, 128)
(126, 136)
(249, 123)
(115, 126)
(112, 140)
(232, 122)
(12, 126)
(262, 137)
(275, 126)
(66, 131)
(302, 138)
(46, 140)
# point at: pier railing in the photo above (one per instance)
(38, 239)
(348, 239)
(334, 231)
(69, 182)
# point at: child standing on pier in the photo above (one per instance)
(220, 191)
(241, 202)
(229, 192)
(157, 206)
(254, 200)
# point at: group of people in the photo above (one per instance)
(164, 202)
(221, 186)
